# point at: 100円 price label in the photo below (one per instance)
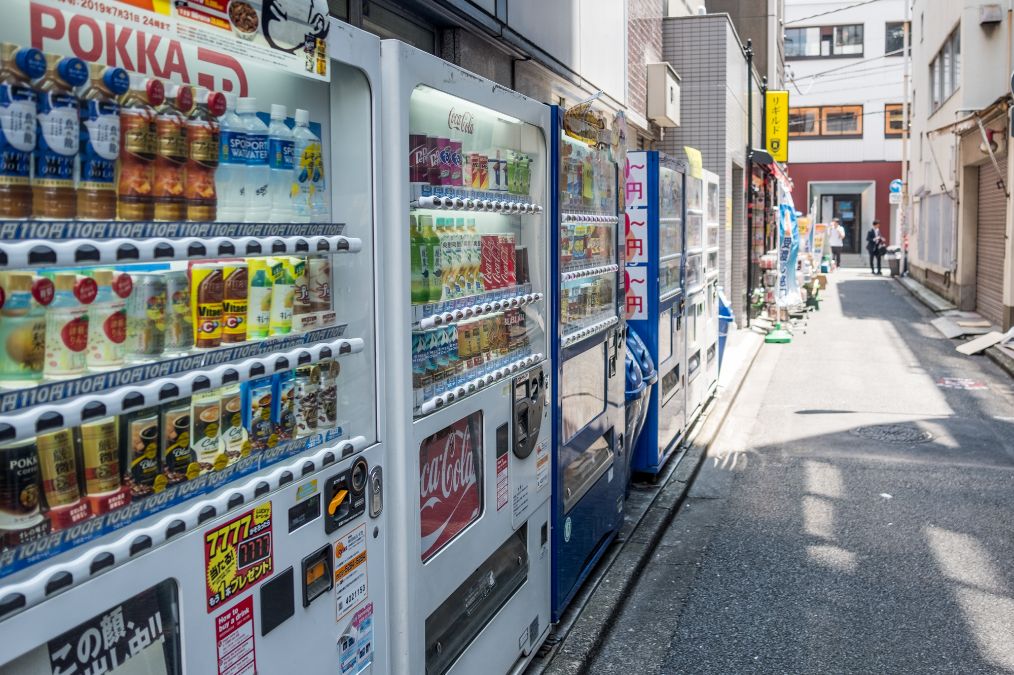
(238, 555)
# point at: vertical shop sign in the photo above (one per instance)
(776, 124)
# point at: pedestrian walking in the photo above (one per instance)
(877, 247)
(836, 237)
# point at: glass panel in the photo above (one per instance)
(583, 390)
(894, 41)
(804, 121)
(842, 120)
(694, 274)
(713, 262)
(665, 332)
(670, 235)
(712, 202)
(947, 81)
(463, 257)
(585, 245)
(587, 178)
(139, 635)
(848, 39)
(457, 447)
(582, 472)
(956, 56)
(695, 193)
(712, 236)
(586, 301)
(669, 276)
(695, 231)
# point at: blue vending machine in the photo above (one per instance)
(588, 358)
(655, 187)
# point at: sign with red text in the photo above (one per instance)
(234, 640)
(238, 555)
(450, 479)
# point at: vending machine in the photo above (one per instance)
(711, 276)
(469, 394)
(192, 461)
(589, 452)
(696, 296)
(655, 216)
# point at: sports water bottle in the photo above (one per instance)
(280, 148)
(307, 172)
(229, 178)
(258, 175)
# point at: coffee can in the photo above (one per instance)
(139, 437)
(318, 280)
(233, 439)
(19, 485)
(100, 456)
(205, 428)
(58, 469)
(179, 462)
(307, 399)
(146, 317)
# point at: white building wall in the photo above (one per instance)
(872, 79)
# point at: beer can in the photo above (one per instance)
(19, 486)
(207, 287)
(233, 439)
(179, 326)
(179, 462)
(205, 427)
(58, 469)
(139, 436)
(318, 280)
(234, 302)
(100, 456)
(146, 317)
(307, 400)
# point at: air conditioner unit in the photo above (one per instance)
(663, 95)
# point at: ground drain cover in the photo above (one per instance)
(893, 433)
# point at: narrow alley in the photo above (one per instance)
(851, 516)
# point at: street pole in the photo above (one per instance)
(903, 215)
(747, 201)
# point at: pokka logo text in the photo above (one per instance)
(461, 121)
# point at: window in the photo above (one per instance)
(830, 121)
(894, 121)
(804, 122)
(945, 69)
(824, 41)
(894, 41)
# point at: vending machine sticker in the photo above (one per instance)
(542, 465)
(105, 643)
(520, 500)
(238, 554)
(636, 180)
(350, 577)
(636, 229)
(637, 292)
(355, 645)
(502, 479)
(234, 640)
(450, 479)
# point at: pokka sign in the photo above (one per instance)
(450, 496)
(203, 43)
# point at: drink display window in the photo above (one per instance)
(478, 193)
(175, 275)
(670, 231)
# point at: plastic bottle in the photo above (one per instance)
(22, 331)
(280, 150)
(258, 308)
(202, 155)
(100, 147)
(308, 171)
(137, 149)
(107, 321)
(66, 329)
(257, 175)
(282, 296)
(435, 287)
(473, 244)
(448, 260)
(18, 101)
(420, 261)
(59, 137)
(171, 153)
(229, 177)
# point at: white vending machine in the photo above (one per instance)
(711, 277)
(468, 400)
(192, 450)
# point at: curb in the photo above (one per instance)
(580, 645)
(1000, 358)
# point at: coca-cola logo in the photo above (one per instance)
(461, 121)
(449, 477)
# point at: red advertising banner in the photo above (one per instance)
(450, 482)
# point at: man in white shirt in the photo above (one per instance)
(836, 237)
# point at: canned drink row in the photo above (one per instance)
(66, 477)
(438, 160)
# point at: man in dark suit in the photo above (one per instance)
(875, 245)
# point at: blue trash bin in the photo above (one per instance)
(636, 390)
(725, 319)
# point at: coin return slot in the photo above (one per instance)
(318, 577)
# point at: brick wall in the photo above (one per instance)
(644, 45)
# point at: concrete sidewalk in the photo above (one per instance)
(851, 516)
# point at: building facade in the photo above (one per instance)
(962, 242)
(844, 70)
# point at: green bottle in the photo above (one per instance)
(420, 257)
(436, 276)
(258, 308)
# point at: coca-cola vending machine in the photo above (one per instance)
(468, 387)
(191, 451)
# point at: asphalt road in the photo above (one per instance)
(853, 515)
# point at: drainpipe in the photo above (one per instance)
(747, 203)
(906, 126)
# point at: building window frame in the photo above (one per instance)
(893, 112)
(822, 115)
(832, 35)
(945, 70)
(898, 48)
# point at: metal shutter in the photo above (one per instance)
(990, 243)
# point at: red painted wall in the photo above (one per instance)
(880, 172)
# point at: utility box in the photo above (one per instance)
(663, 95)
